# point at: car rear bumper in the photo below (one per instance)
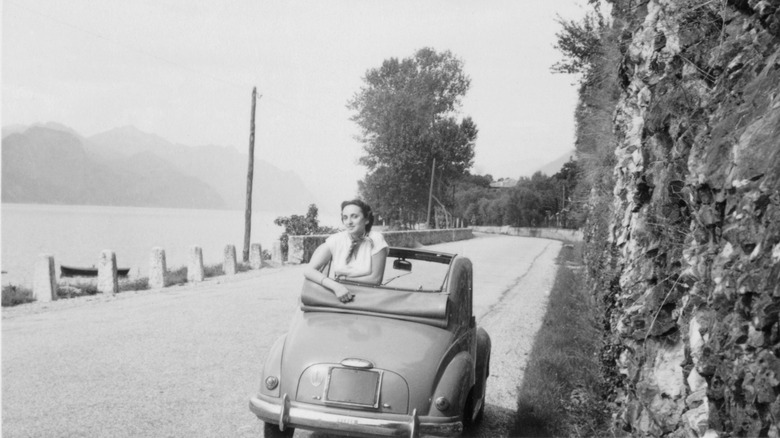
(288, 413)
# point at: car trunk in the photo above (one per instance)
(411, 350)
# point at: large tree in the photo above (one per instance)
(407, 111)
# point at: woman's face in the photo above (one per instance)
(352, 218)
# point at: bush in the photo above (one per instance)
(213, 271)
(79, 289)
(14, 295)
(176, 276)
(136, 284)
(85, 288)
(297, 225)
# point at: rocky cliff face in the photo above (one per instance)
(695, 230)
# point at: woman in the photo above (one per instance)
(356, 254)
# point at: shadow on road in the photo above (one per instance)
(496, 421)
(528, 424)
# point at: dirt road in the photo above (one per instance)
(183, 361)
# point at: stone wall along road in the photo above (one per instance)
(183, 361)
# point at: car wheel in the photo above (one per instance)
(471, 418)
(271, 430)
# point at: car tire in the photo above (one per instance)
(471, 419)
(271, 430)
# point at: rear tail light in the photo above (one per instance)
(442, 404)
(271, 382)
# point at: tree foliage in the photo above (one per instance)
(297, 225)
(590, 48)
(580, 44)
(539, 201)
(406, 111)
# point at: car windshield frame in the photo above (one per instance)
(411, 254)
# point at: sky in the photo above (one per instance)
(185, 69)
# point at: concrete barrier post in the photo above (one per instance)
(157, 268)
(295, 250)
(195, 270)
(229, 266)
(276, 253)
(255, 256)
(44, 280)
(108, 281)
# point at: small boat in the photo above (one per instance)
(70, 271)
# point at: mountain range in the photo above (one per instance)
(555, 165)
(53, 164)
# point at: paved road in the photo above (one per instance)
(183, 361)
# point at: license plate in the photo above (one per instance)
(353, 387)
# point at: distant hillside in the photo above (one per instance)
(555, 166)
(19, 129)
(53, 164)
(49, 166)
(221, 167)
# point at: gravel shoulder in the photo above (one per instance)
(513, 323)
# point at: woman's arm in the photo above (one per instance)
(378, 261)
(313, 272)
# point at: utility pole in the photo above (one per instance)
(430, 193)
(249, 177)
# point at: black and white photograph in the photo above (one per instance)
(500, 218)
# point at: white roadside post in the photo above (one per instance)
(157, 268)
(229, 266)
(256, 256)
(44, 280)
(108, 283)
(276, 254)
(195, 271)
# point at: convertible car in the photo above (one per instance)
(404, 358)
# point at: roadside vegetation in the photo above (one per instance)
(14, 295)
(414, 136)
(563, 391)
(571, 376)
(538, 201)
(297, 225)
(86, 287)
(179, 275)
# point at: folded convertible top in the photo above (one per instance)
(426, 308)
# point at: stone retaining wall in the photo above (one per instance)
(544, 233)
(302, 247)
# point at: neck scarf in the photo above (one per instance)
(353, 247)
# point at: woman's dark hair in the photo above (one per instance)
(367, 213)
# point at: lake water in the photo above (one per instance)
(76, 235)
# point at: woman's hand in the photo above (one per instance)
(342, 293)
